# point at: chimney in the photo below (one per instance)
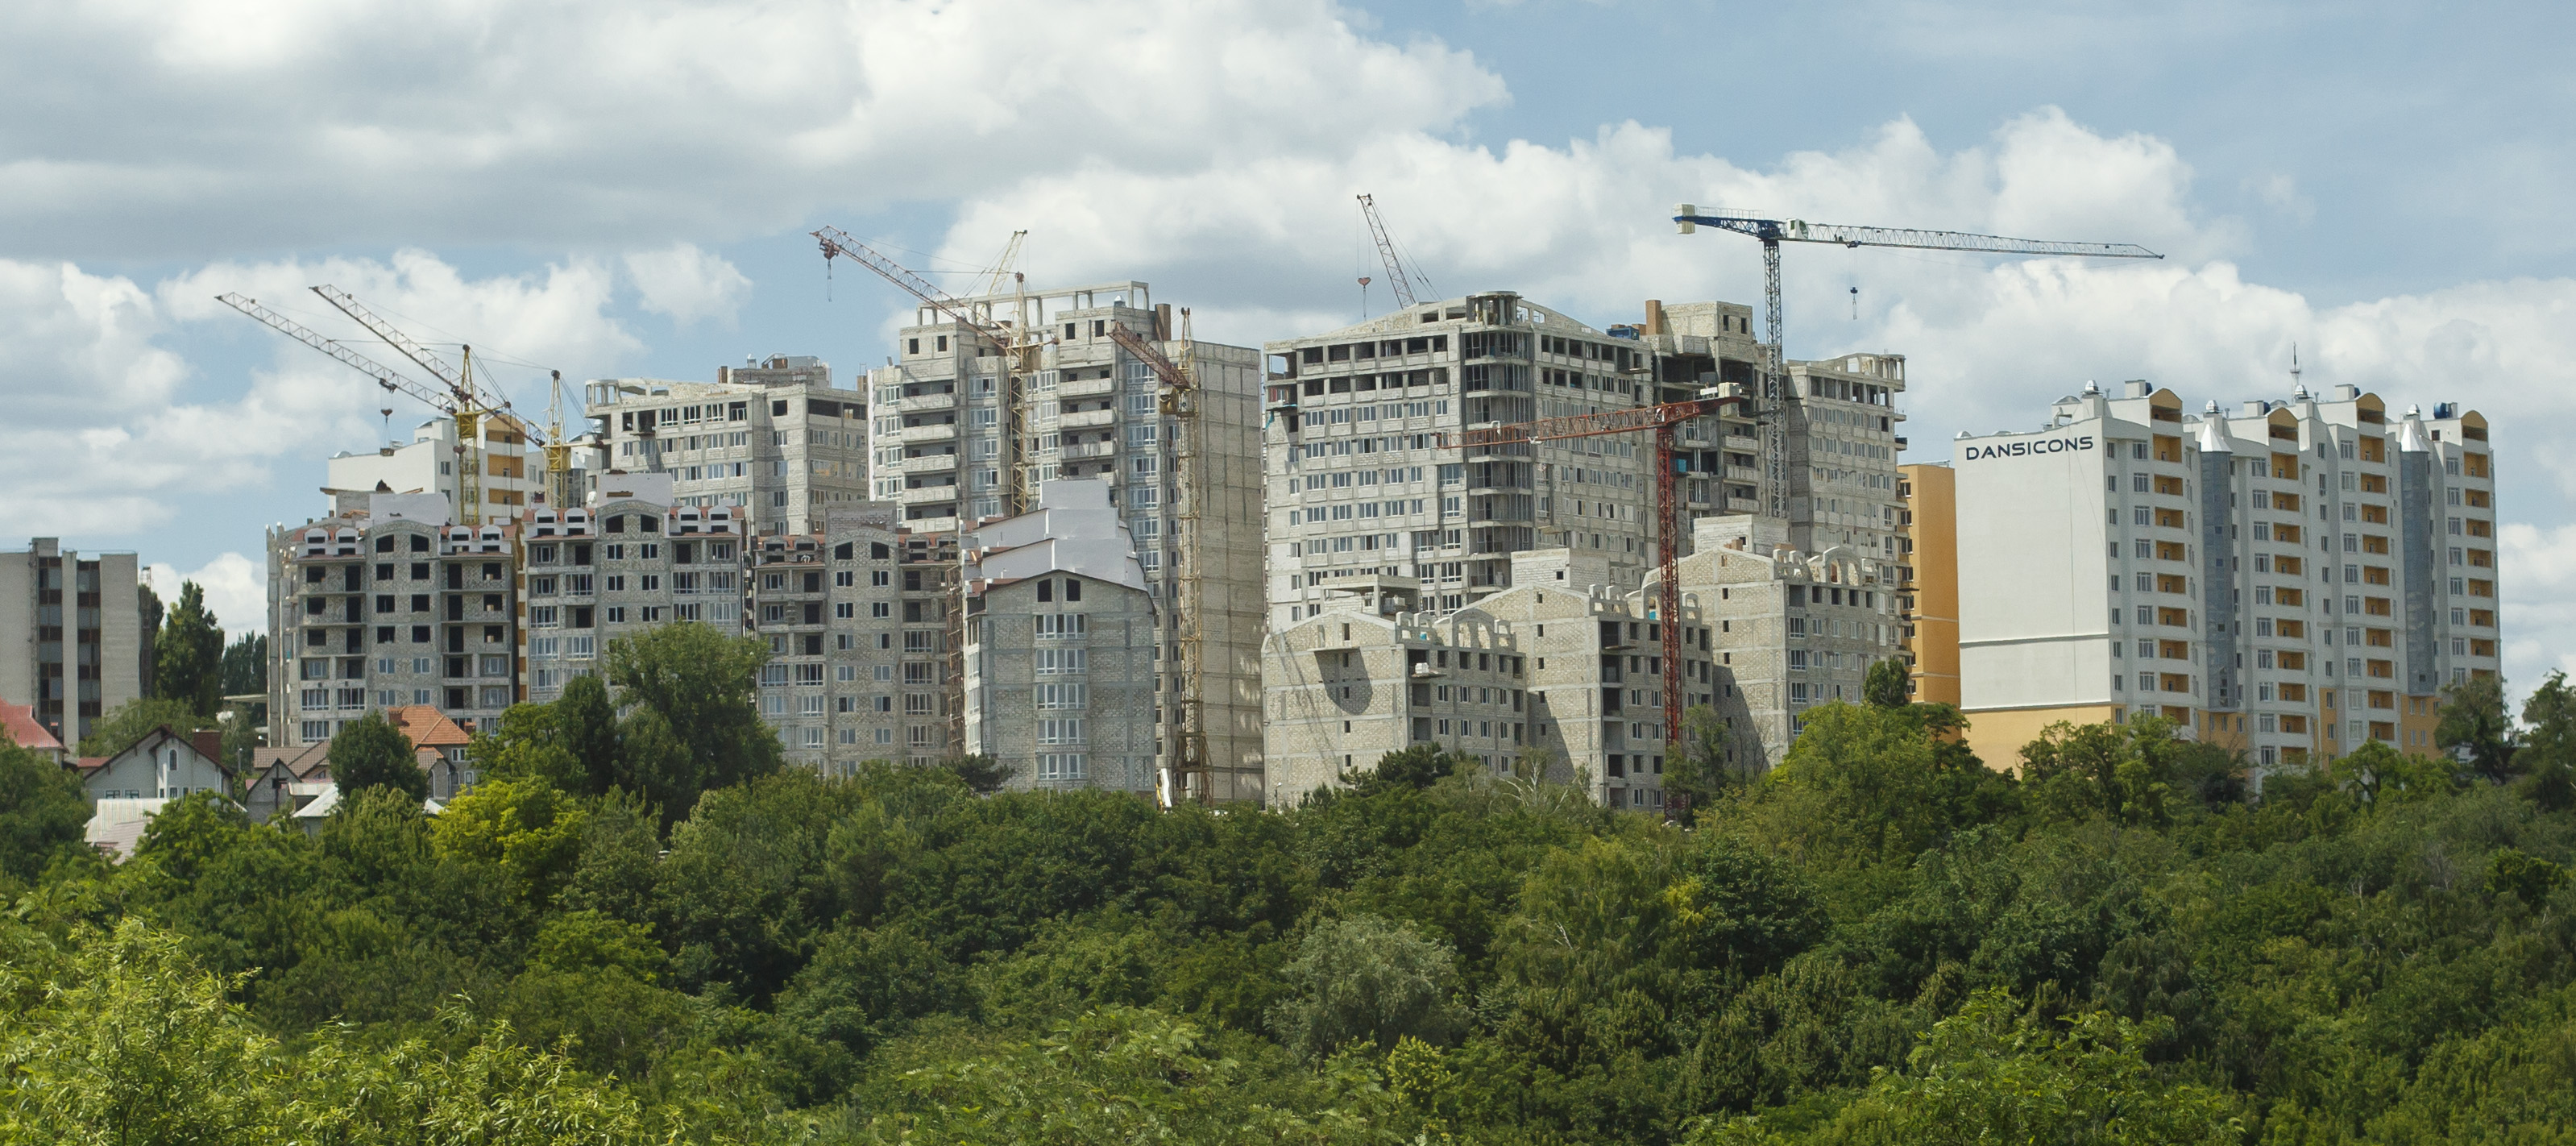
(209, 743)
(1162, 322)
(1655, 317)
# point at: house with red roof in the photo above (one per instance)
(18, 722)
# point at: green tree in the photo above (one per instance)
(1698, 771)
(188, 656)
(372, 753)
(701, 685)
(1415, 767)
(2377, 774)
(42, 812)
(1365, 979)
(1994, 1073)
(246, 665)
(1886, 684)
(2116, 771)
(2547, 755)
(135, 719)
(585, 725)
(980, 772)
(2475, 726)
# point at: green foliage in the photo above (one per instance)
(42, 813)
(135, 719)
(694, 723)
(1366, 981)
(980, 772)
(372, 753)
(2474, 723)
(2547, 756)
(188, 655)
(1880, 941)
(245, 665)
(1885, 685)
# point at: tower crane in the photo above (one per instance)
(1003, 275)
(462, 402)
(1186, 755)
(1773, 232)
(1658, 420)
(1396, 280)
(1017, 344)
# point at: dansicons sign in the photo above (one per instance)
(2075, 445)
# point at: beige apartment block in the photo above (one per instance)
(627, 563)
(72, 636)
(2291, 580)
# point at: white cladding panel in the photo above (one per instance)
(2032, 568)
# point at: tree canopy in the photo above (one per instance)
(372, 753)
(2136, 939)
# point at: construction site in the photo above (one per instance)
(1058, 531)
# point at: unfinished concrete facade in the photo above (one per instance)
(1563, 672)
(1370, 512)
(964, 432)
(773, 439)
(389, 607)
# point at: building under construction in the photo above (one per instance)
(994, 394)
(1404, 512)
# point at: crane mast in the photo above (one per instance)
(1018, 347)
(1396, 279)
(1773, 232)
(1658, 420)
(1187, 772)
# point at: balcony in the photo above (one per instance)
(1087, 419)
(910, 435)
(1087, 450)
(1086, 388)
(928, 494)
(925, 403)
(931, 464)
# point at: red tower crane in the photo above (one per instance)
(1659, 420)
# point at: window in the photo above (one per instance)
(1060, 626)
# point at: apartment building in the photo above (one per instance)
(1563, 672)
(511, 476)
(389, 607)
(773, 439)
(1062, 669)
(628, 562)
(2292, 580)
(965, 431)
(1367, 507)
(74, 634)
(1927, 581)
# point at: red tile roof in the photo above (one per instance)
(18, 722)
(426, 727)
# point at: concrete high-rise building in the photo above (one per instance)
(1370, 509)
(964, 431)
(626, 563)
(772, 438)
(72, 635)
(1563, 672)
(2292, 580)
(390, 607)
(1061, 666)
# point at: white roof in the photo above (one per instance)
(1073, 530)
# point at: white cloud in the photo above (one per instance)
(688, 285)
(206, 126)
(108, 427)
(236, 590)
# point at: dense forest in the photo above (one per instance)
(641, 927)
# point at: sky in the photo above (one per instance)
(624, 189)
